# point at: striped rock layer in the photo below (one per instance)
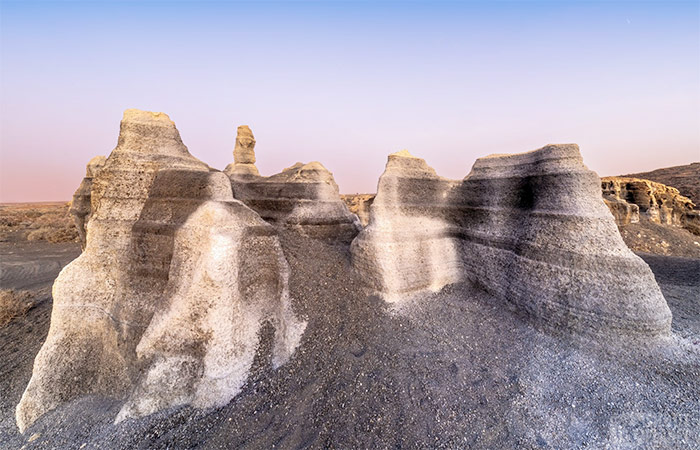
(170, 291)
(80, 207)
(304, 197)
(530, 228)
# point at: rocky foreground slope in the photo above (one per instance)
(226, 309)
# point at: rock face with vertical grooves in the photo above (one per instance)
(175, 280)
(304, 196)
(530, 228)
(632, 198)
(80, 207)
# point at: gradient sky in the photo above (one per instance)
(347, 83)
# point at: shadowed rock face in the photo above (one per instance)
(80, 207)
(304, 196)
(530, 228)
(632, 198)
(175, 281)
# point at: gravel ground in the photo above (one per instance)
(455, 369)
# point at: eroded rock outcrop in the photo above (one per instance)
(80, 207)
(171, 290)
(632, 198)
(304, 196)
(359, 204)
(529, 228)
(243, 154)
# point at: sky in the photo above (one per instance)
(347, 83)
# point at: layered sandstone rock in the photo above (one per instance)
(649, 200)
(175, 280)
(80, 207)
(685, 178)
(359, 204)
(530, 228)
(304, 196)
(243, 154)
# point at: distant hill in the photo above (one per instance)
(684, 178)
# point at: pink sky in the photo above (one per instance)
(347, 84)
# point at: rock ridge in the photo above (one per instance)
(529, 228)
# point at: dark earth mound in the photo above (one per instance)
(452, 370)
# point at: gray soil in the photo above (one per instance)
(649, 237)
(455, 369)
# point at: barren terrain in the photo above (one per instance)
(474, 374)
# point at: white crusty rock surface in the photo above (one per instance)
(530, 228)
(304, 196)
(175, 281)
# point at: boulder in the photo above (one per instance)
(176, 279)
(529, 228)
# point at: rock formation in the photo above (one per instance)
(529, 228)
(359, 204)
(80, 207)
(243, 154)
(632, 198)
(685, 178)
(171, 290)
(304, 196)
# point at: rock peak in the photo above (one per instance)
(403, 154)
(244, 152)
(137, 115)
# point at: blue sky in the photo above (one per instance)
(347, 83)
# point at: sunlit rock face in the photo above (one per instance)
(650, 201)
(243, 154)
(530, 228)
(304, 197)
(408, 245)
(175, 276)
(80, 208)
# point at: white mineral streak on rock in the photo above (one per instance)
(530, 228)
(171, 290)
